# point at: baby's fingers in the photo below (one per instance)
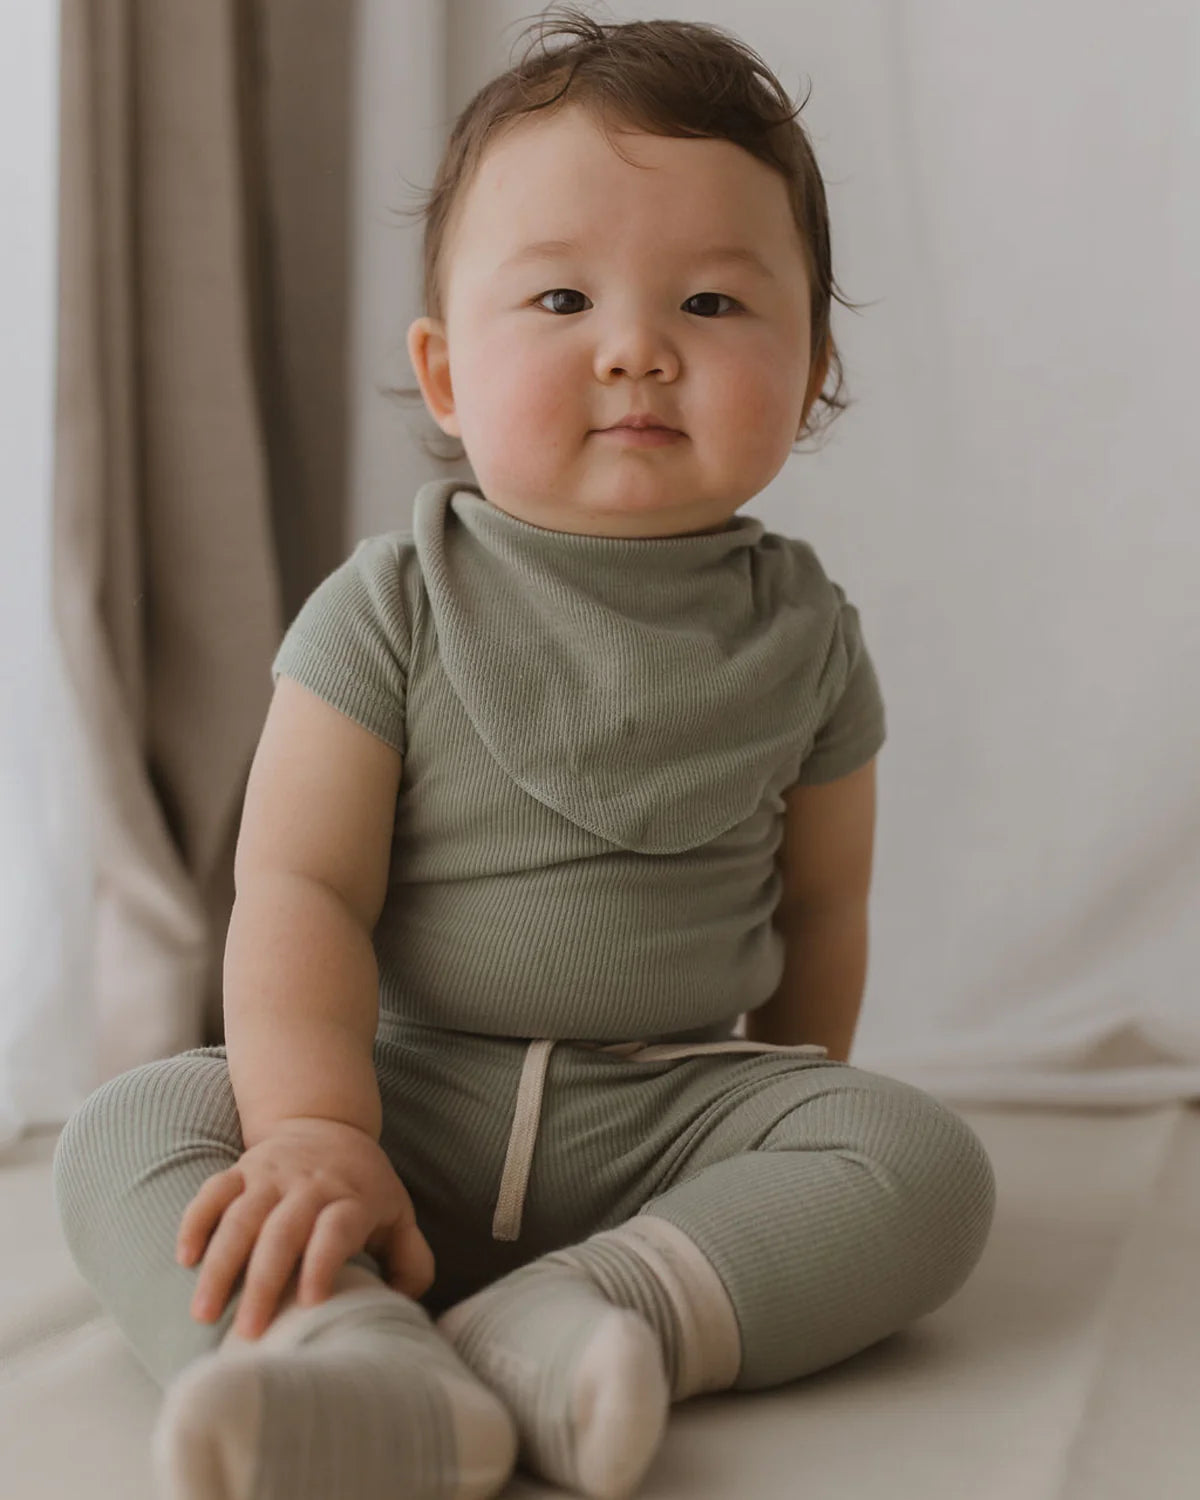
(204, 1212)
(411, 1263)
(280, 1245)
(340, 1231)
(227, 1253)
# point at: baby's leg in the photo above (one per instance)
(359, 1396)
(127, 1163)
(810, 1216)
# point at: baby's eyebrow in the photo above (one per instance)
(547, 249)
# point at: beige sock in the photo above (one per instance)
(702, 1343)
(588, 1346)
(583, 1379)
(358, 1397)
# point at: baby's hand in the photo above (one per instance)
(311, 1183)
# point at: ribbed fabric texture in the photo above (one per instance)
(856, 1212)
(127, 1163)
(597, 734)
(626, 1283)
(836, 1205)
(363, 1399)
(583, 1379)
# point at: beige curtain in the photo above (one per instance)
(200, 450)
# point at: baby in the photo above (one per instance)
(554, 787)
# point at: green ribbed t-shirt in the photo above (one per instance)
(597, 733)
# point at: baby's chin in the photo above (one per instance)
(610, 511)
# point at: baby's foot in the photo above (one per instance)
(584, 1379)
(358, 1397)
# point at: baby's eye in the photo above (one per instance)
(565, 291)
(558, 291)
(700, 295)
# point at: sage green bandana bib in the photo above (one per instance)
(651, 690)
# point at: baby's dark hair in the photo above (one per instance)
(667, 78)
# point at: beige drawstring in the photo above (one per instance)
(510, 1204)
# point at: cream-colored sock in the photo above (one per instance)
(358, 1397)
(583, 1379)
(589, 1346)
(649, 1265)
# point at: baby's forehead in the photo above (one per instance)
(569, 135)
(571, 177)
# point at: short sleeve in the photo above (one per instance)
(351, 642)
(855, 726)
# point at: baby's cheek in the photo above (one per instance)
(765, 420)
(551, 399)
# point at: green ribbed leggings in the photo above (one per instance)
(837, 1205)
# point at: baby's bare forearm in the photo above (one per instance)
(301, 1005)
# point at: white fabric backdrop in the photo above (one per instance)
(1011, 503)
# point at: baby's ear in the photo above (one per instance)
(429, 354)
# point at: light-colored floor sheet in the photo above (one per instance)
(1067, 1368)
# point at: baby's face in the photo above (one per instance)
(542, 350)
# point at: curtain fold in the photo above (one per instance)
(183, 530)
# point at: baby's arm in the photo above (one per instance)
(301, 1007)
(301, 982)
(827, 854)
(300, 1015)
